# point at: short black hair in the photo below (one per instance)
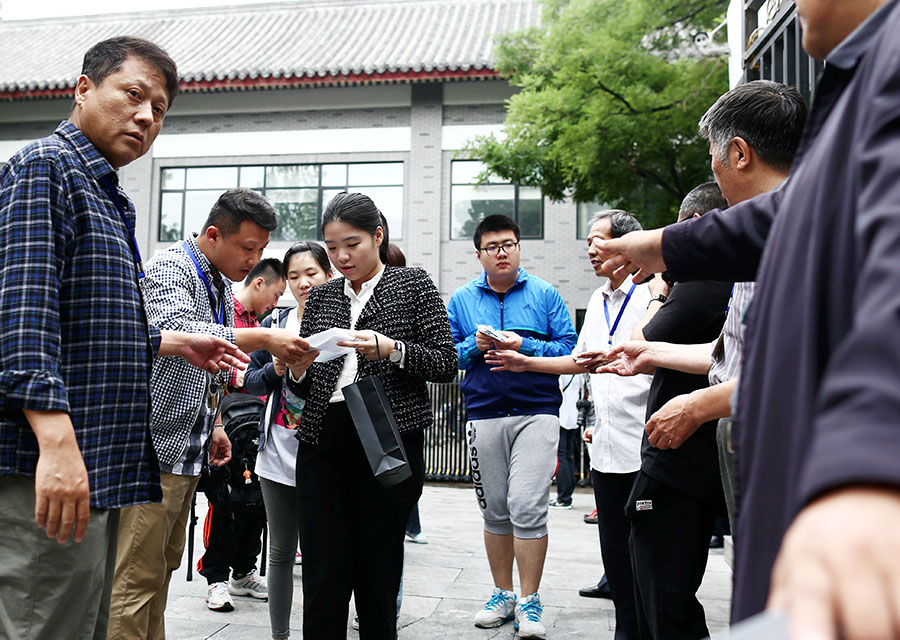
(620, 222)
(106, 57)
(239, 204)
(492, 224)
(768, 115)
(268, 268)
(700, 199)
(304, 246)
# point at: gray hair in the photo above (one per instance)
(620, 222)
(768, 115)
(701, 199)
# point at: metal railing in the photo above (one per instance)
(446, 451)
(775, 51)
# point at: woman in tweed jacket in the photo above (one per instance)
(352, 528)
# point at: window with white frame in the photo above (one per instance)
(470, 202)
(298, 192)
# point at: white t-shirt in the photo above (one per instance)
(278, 460)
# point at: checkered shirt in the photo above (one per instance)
(74, 336)
(177, 299)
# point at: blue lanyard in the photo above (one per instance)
(109, 186)
(612, 329)
(220, 315)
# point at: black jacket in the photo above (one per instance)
(406, 306)
(818, 406)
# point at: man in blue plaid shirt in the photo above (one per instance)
(76, 350)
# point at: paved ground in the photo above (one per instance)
(448, 579)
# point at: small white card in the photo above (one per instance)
(326, 343)
(491, 332)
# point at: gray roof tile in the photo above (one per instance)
(259, 45)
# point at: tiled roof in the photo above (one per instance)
(324, 42)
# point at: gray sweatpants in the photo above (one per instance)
(513, 460)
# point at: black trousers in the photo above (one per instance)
(232, 535)
(565, 454)
(351, 531)
(669, 548)
(611, 491)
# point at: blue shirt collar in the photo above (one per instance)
(848, 53)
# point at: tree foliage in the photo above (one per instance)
(611, 93)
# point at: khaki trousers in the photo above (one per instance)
(151, 543)
(51, 590)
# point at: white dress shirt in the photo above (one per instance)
(357, 303)
(620, 404)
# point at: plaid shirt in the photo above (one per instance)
(177, 298)
(243, 319)
(74, 336)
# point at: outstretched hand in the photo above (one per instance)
(629, 359)
(638, 253)
(204, 351)
(505, 360)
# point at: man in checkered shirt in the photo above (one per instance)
(188, 287)
(76, 349)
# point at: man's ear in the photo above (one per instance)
(740, 154)
(82, 86)
(259, 283)
(212, 235)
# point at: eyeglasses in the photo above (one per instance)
(494, 249)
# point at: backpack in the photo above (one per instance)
(241, 414)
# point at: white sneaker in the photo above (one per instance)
(217, 597)
(250, 585)
(418, 538)
(528, 618)
(499, 610)
(355, 623)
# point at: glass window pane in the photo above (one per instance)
(334, 175)
(196, 209)
(253, 177)
(390, 201)
(173, 179)
(586, 211)
(464, 171)
(170, 217)
(375, 173)
(212, 178)
(530, 218)
(292, 175)
(297, 211)
(470, 204)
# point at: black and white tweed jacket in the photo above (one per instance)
(176, 298)
(406, 306)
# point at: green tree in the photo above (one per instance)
(611, 93)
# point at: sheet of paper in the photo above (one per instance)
(326, 343)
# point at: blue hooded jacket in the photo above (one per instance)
(533, 309)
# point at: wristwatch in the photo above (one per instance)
(397, 354)
(658, 298)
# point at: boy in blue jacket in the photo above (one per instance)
(513, 427)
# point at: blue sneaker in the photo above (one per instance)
(499, 610)
(528, 618)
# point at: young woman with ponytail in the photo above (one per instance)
(352, 528)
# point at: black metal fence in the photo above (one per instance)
(775, 52)
(446, 452)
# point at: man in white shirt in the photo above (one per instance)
(619, 404)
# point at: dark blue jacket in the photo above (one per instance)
(260, 378)
(534, 310)
(818, 401)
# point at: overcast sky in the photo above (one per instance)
(28, 9)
